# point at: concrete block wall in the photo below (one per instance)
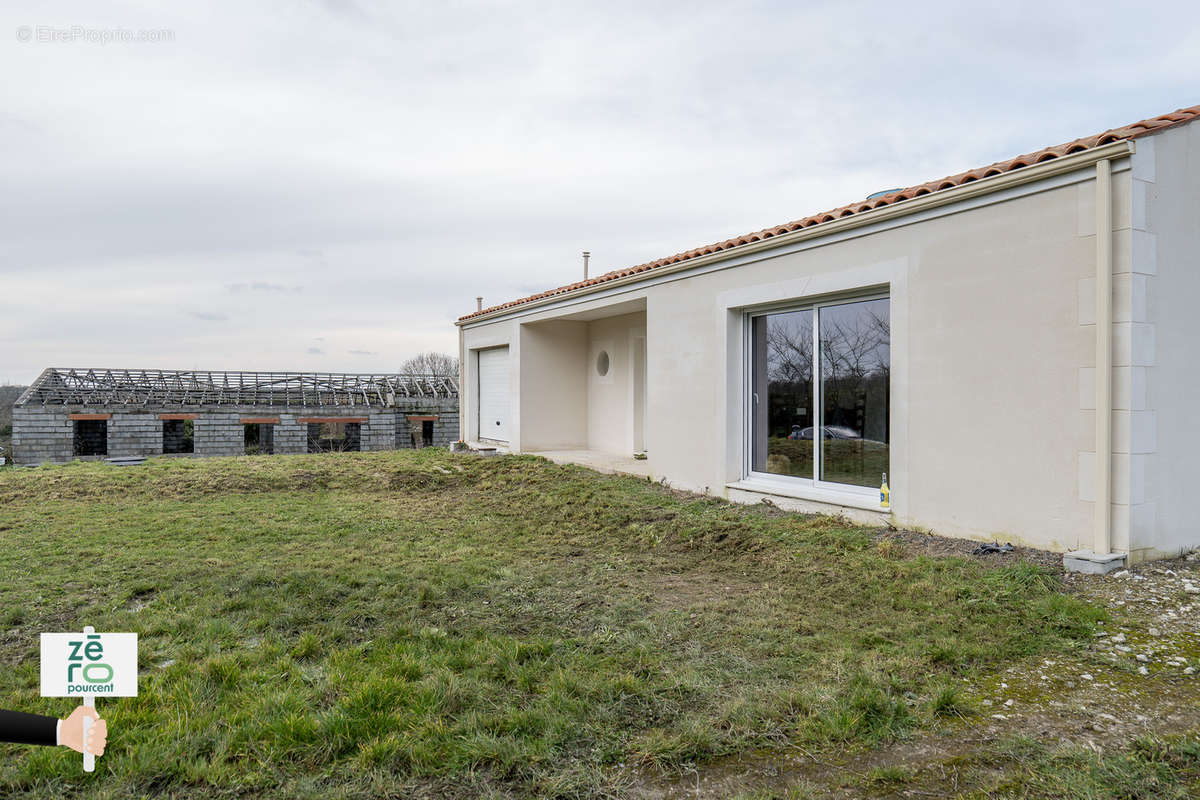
(379, 432)
(138, 433)
(219, 433)
(290, 436)
(223, 433)
(42, 434)
(445, 428)
(403, 438)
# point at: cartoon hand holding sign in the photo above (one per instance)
(21, 728)
(86, 665)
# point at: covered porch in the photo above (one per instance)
(584, 388)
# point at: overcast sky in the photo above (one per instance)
(328, 185)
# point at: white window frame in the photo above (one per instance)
(798, 304)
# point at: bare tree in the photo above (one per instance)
(431, 363)
(790, 352)
(856, 367)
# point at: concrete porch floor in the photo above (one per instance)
(610, 463)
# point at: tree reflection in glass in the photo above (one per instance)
(854, 367)
(855, 372)
(783, 381)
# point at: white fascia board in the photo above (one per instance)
(1063, 171)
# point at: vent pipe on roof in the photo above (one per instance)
(586, 256)
(479, 304)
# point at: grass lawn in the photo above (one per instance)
(1020, 768)
(425, 624)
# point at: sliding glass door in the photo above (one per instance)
(820, 392)
(783, 393)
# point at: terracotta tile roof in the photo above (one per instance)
(1132, 131)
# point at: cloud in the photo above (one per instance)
(312, 254)
(208, 316)
(262, 286)
(633, 130)
(345, 8)
(362, 352)
(315, 351)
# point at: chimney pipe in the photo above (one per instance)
(479, 304)
(586, 256)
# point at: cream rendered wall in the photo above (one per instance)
(1167, 264)
(503, 333)
(994, 352)
(554, 384)
(986, 366)
(610, 402)
(989, 353)
(684, 421)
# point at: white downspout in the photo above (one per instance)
(1102, 537)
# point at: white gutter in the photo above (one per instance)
(983, 186)
(1102, 536)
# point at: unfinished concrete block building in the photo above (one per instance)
(70, 414)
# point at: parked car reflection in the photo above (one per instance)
(827, 432)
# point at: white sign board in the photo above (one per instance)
(89, 665)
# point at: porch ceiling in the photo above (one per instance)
(602, 312)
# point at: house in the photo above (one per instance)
(1014, 346)
(123, 414)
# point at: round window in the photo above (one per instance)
(602, 362)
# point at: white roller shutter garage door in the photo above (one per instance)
(493, 394)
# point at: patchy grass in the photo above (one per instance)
(1151, 768)
(948, 701)
(1016, 768)
(423, 624)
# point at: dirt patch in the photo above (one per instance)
(692, 590)
(139, 600)
(927, 544)
(434, 480)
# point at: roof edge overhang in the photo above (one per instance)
(966, 191)
(32, 387)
